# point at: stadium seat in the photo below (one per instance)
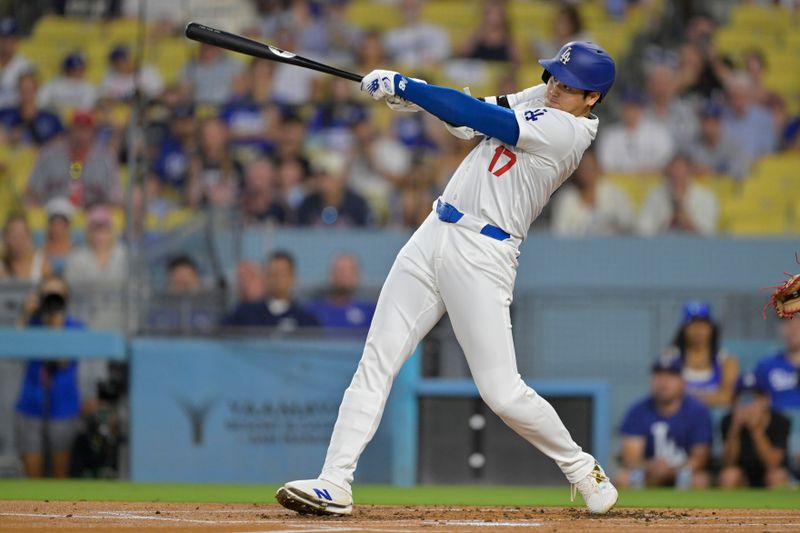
(636, 186)
(372, 15)
(760, 18)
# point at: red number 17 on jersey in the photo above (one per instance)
(502, 151)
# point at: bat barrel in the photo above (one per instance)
(237, 43)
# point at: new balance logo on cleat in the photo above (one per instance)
(323, 493)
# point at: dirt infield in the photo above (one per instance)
(125, 516)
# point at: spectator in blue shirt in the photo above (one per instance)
(781, 372)
(182, 310)
(666, 437)
(333, 202)
(48, 407)
(340, 311)
(747, 122)
(279, 310)
(26, 122)
(171, 163)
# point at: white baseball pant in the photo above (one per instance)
(446, 267)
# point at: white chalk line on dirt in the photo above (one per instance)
(479, 523)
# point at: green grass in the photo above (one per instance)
(379, 494)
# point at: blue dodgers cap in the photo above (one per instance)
(8, 27)
(667, 363)
(582, 65)
(750, 382)
(120, 51)
(696, 310)
(72, 61)
(631, 95)
(711, 109)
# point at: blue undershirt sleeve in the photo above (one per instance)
(460, 109)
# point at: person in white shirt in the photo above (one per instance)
(71, 90)
(636, 144)
(679, 204)
(212, 73)
(120, 81)
(590, 205)
(416, 43)
(12, 64)
(664, 105)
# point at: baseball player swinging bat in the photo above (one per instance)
(463, 258)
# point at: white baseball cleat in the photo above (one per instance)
(315, 496)
(597, 491)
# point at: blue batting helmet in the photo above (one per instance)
(582, 65)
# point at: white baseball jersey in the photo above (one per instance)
(508, 186)
(447, 267)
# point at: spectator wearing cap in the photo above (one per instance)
(636, 144)
(49, 403)
(249, 115)
(340, 310)
(714, 150)
(259, 198)
(211, 75)
(176, 150)
(121, 78)
(665, 107)
(709, 371)
(416, 43)
(666, 437)
(755, 439)
(747, 121)
(20, 259)
(26, 122)
(103, 260)
(780, 373)
(278, 309)
(58, 234)
(70, 90)
(332, 203)
(78, 167)
(12, 64)
(590, 205)
(680, 204)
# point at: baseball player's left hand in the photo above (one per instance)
(380, 85)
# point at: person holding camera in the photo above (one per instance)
(756, 439)
(48, 408)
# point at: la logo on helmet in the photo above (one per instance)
(565, 57)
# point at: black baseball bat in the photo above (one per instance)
(243, 45)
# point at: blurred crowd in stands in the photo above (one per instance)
(287, 146)
(706, 422)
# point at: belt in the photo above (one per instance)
(448, 213)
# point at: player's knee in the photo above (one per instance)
(776, 478)
(623, 479)
(730, 477)
(701, 480)
(503, 398)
